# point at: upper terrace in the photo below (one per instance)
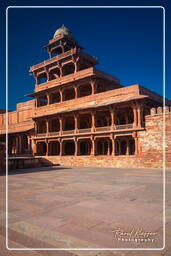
(67, 79)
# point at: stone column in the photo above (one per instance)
(34, 147)
(61, 148)
(135, 115)
(112, 111)
(136, 145)
(113, 146)
(48, 98)
(60, 125)
(76, 92)
(127, 147)
(93, 146)
(47, 147)
(47, 74)
(93, 121)
(47, 127)
(17, 145)
(108, 149)
(139, 116)
(93, 85)
(76, 123)
(76, 147)
(61, 95)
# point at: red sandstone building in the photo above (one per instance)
(80, 115)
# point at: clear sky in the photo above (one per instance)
(128, 42)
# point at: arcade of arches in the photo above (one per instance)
(121, 145)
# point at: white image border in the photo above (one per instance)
(164, 167)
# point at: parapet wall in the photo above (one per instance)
(151, 140)
(19, 119)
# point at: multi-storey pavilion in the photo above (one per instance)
(81, 110)
(78, 109)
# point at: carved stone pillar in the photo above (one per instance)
(61, 95)
(48, 98)
(112, 111)
(136, 145)
(108, 148)
(135, 115)
(60, 125)
(76, 122)
(76, 147)
(76, 92)
(93, 85)
(127, 147)
(93, 147)
(113, 146)
(47, 147)
(139, 113)
(61, 148)
(47, 127)
(93, 121)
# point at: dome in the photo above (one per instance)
(63, 30)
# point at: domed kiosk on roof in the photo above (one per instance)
(62, 31)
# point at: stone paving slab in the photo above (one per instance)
(79, 207)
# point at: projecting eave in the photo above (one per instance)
(153, 96)
(94, 104)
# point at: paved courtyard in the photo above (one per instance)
(60, 207)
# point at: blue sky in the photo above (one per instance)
(128, 43)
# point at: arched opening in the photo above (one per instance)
(103, 118)
(68, 69)
(103, 146)
(82, 66)
(68, 94)
(42, 101)
(24, 145)
(41, 148)
(100, 88)
(69, 148)
(84, 90)
(85, 121)
(54, 73)
(42, 78)
(67, 48)
(124, 116)
(85, 147)
(54, 148)
(69, 123)
(56, 51)
(132, 146)
(41, 126)
(125, 145)
(55, 97)
(12, 145)
(54, 125)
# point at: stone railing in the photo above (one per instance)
(105, 128)
(124, 126)
(87, 130)
(41, 135)
(53, 133)
(52, 60)
(84, 130)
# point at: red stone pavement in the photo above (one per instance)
(60, 207)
